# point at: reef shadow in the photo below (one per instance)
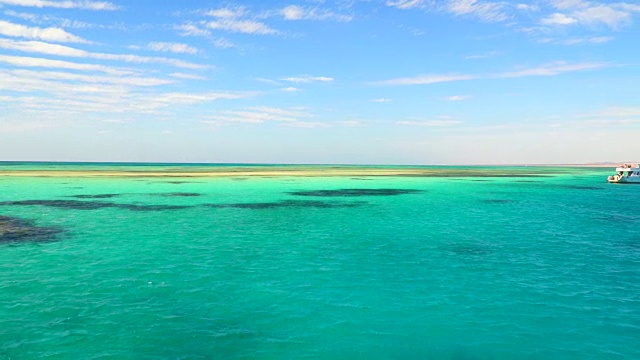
(179, 194)
(16, 230)
(91, 205)
(497, 201)
(97, 196)
(355, 192)
(289, 204)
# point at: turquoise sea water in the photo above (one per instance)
(521, 267)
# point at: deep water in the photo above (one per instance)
(520, 267)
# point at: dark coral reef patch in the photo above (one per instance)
(15, 230)
(355, 192)
(179, 194)
(96, 196)
(497, 201)
(91, 205)
(288, 204)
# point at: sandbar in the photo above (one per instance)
(286, 171)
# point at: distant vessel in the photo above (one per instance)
(626, 174)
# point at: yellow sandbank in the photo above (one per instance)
(286, 171)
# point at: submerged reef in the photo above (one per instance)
(91, 205)
(96, 205)
(289, 204)
(96, 196)
(497, 201)
(179, 194)
(355, 192)
(14, 230)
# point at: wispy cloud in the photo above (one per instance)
(66, 4)
(381, 100)
(23, 61)
(590, 13)
(484, 10)
(177, 98)
(558, 19)
(425, 80)
(227, 12)
(295, 12)
(172, 47)
(191, 29)
(577, 41)
(305, 124)
(551, 69)
(48, 34)
(308, 79)
(614, 112)
(258, 115)
(404, 4)
(486, 55)
(429, 123)
(34, 77)
(62, 50)
(184, 76)
(222, 43)
(457, 97)
(234, 20)
(64, 23)
(241, 26)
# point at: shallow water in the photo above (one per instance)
(295, 267)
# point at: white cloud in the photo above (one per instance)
(568, 4)
(528, 7)
(241, 26)
(172, 47)
(74, 77)
(381, 100)
(187, 76)
(47, 34)
(191, 29)
(62, 50)
(484, 10)
(551, 69)
(290, 89)
(486, 55)
(615, 112)
(308, 79)
(576, 41)
(558, 19)
(223, 43)
(168, 99)
(404, 4)
(294, 12)
(429, 123)
(305, 124)
(64, 93)
(603, 14)
(258, 115)
(610, 14)
(227, 12)
(457, 97)
(22, 61)
(62, 22)
(66, 4)
(426, 80)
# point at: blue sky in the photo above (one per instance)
(320, 81)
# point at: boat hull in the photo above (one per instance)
(624, 180)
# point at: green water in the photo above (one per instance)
(225, 268)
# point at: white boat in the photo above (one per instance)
(626, 174)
